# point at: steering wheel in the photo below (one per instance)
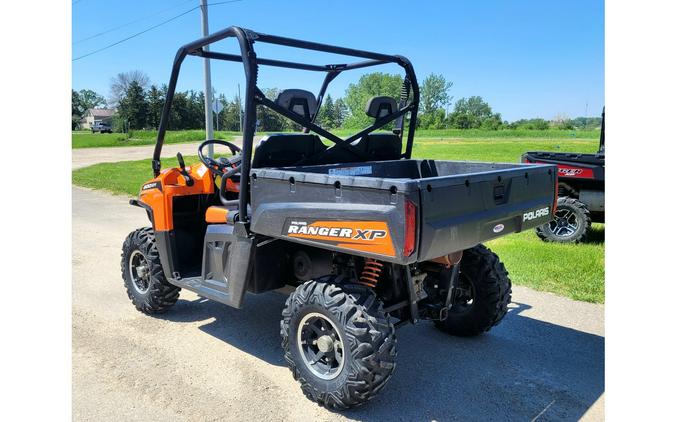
(222, 166)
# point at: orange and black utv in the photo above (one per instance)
(368, 237)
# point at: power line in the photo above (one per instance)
(136, 34)
(130, 22)
(149, 29)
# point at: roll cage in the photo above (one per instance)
(408, 103)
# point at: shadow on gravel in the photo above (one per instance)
(519, 370)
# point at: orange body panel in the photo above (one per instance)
(159, 192)
(216, 214)
(365, 236)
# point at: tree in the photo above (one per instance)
(121, 82)
(76, 109)
(562, 121)
(368, 86)
(587, 122)
(133, 107)
(434, 93)
(269, 120)
(178, 115)
(326, 116)
(493, 122)
(156, 98)
(230, 114)
(340, 113)
(82, 101)
(433, 120)
(90, 99)
(472, 113)
(530, 124)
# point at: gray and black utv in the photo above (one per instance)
(368, 238)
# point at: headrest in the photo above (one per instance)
(379, 107)
(299, 101)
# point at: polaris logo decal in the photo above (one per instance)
(533, 215)
(367, 236)
(498, 228)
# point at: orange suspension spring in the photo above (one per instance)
(371, 272)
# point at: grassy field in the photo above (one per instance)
(576, 271)
(450, 134)
(86, 139)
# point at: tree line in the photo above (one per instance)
(139, 106)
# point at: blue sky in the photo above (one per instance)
(526, 58)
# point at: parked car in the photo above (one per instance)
(101, 127)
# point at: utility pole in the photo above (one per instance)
(208, 98)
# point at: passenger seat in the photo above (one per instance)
(381, 146)
(287, 149)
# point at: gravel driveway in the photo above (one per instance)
(205, 361)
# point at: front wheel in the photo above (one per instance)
(571, 222)
(338, 342)
(143, 276)
(483, 294)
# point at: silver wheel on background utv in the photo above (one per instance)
(143, 275)
(338, 342)
(571, 222)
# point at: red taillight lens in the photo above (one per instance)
(410, 226)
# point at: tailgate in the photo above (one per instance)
(460, 211)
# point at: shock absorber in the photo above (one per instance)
(371, 272)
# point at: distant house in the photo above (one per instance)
(95, 115)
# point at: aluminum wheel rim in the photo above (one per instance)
(139, 272)
(321, 346)
(565, 223)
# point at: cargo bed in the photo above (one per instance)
(457, 204)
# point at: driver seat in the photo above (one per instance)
(286, 149)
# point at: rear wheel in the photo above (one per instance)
(338, 342)
(143, 275)
(571, 222)
(484, 293)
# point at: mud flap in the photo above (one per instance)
(226, 264)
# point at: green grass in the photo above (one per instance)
(495, 150)
(82, 139)
(122, 178)
(575, 271)
(86, 139)
(495, 134)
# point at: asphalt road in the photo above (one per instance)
(205, 361)
(83, 157)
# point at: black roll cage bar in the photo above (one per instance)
(254, 96)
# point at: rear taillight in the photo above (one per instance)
(410, 226)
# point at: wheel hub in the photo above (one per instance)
(325, 344)
(564, 223)
(138, 270)
(320, 346)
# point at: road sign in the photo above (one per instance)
(217, 106)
